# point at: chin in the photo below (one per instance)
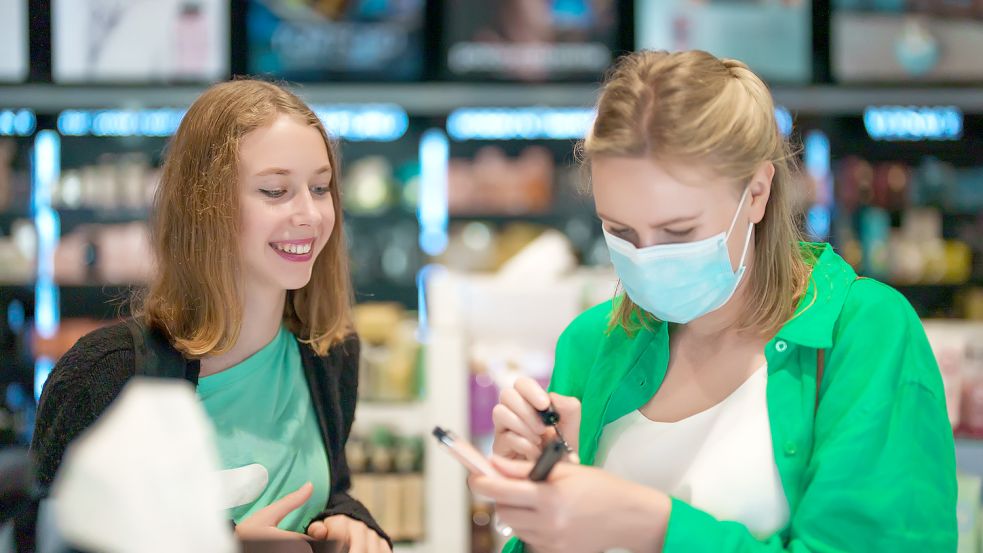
(294, 283)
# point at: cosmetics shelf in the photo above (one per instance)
(440, 98)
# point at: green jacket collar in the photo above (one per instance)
(815, 317)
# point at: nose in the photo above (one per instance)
(305, 211)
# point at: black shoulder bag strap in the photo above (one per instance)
(153, 354)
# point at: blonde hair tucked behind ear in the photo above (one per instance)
(195, 294)
(695, 108)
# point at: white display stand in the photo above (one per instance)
(461, 307)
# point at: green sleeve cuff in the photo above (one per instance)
(691, 530)
(514, 546)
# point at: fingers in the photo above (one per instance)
(512, 468)
(505, 417)
(531, 391)
(515, 493)
(509, 444)
(531, 425)
(375, 542)
(317, 530)
(569, 410)
(338, 528)
(272, 514)
(356, 539)
(566, 406)
(523, 522)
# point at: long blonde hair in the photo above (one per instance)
(194, 294)
(693, 107)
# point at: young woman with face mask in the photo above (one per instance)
(252, 291)
(747, 392)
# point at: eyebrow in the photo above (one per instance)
(682, 219)
(282, 171)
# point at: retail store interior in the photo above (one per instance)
(472, 237)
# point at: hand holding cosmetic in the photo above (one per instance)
(527, 418)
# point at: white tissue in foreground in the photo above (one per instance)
(241, 486)
(144, 476)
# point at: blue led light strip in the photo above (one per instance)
(817, 163)
(17, 122)
(540, 123)
(533, 123)
(912, 123)
(369, 122)
(45, 172)
(784, 119)
(432, 212)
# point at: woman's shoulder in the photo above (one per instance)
(874, 307)
(591, 326)
(103, 354)
(884, 332)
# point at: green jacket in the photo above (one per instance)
(872, 471)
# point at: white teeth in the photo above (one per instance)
(294, 249)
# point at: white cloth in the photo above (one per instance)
(720, 460)
(144, 476)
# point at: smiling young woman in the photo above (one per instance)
(252, 292)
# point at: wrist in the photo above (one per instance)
(650, 510)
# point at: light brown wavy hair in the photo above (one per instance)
(695, 108)
(195, 294)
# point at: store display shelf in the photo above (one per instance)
(390, 215)
(11, 215)
(22, 292)
(95, 301)
(70, 219)
(440, 98)
(935, 285)
(407, 418)
(546, 219)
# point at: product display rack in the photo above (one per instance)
(816, 108)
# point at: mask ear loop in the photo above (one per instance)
(750, 227)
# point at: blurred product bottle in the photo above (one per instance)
(969, 487)
(387, 478)
(18, 253)
(369, 186)
(482, 529)
(875, 228)
(389, 363)
(972, 400)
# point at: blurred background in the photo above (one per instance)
(473, 242)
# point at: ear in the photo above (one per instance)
(760, 191)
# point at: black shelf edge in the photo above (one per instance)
(436, 99)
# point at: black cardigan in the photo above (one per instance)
(93, 372)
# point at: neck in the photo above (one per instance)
(722, 323)
(262, 314)
(721, 327)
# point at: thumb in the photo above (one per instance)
(272, 514)
(568, 407)
(512, 468)
(569, 411)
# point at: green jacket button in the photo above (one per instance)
(790, 449)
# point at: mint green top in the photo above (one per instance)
(262, 412)
(874, 470)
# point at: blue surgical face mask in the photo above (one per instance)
(678, 283)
